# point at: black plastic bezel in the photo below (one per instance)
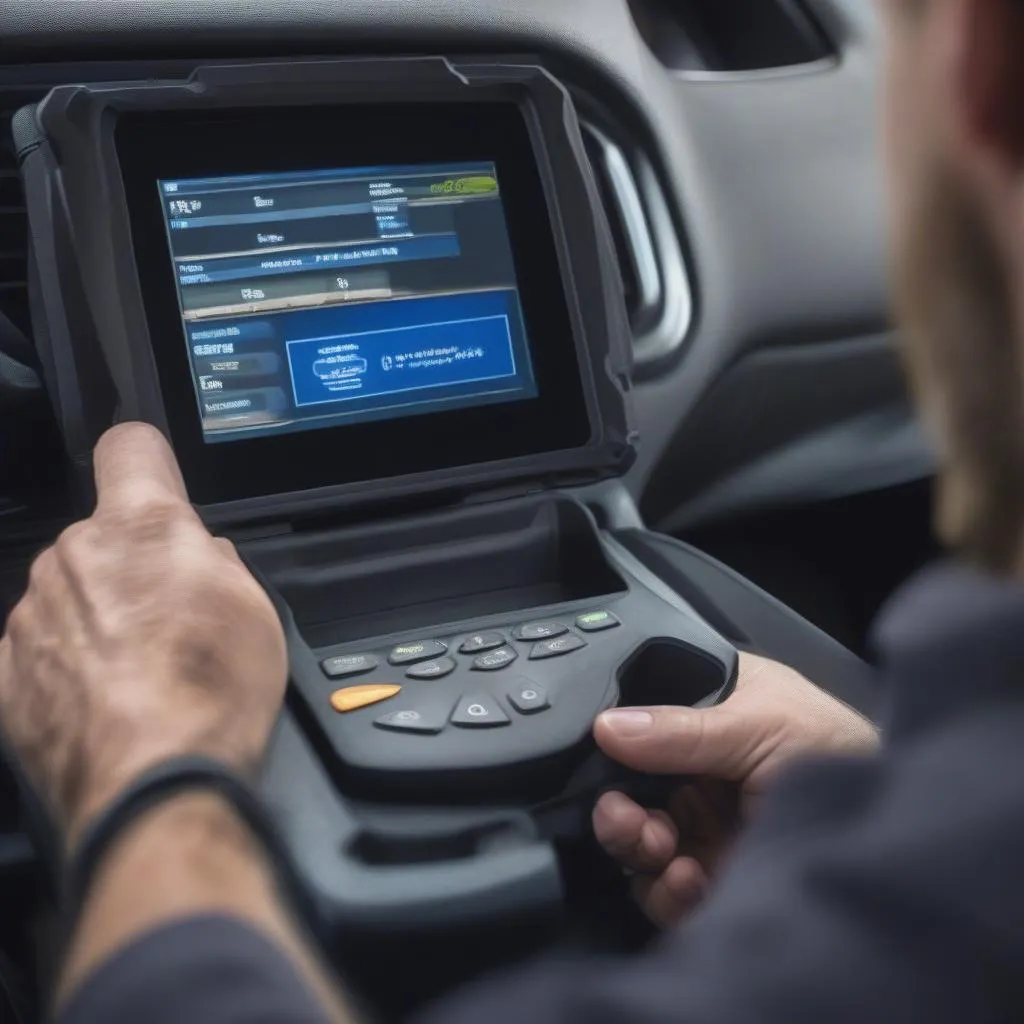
(177, 144)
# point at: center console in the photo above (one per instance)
(374, 307)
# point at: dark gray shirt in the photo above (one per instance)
(889, 889)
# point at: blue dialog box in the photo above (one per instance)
(402, 360)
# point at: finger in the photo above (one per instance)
(678, 741)
(618, 823)
(659, 841)
(674, 894)
(133, 463)
(640, 840)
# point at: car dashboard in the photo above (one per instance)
(729, 315)
(736, 151)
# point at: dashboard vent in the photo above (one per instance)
(654, 279)
(730, 36)
(13, 232)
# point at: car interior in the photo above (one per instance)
(536, 357)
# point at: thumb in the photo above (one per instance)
(133, 464)
(679, 741)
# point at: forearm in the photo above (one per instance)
(188, 857)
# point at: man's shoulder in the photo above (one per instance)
(951, 647)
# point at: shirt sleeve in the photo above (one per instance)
(204, 970)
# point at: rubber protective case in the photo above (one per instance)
(88, 315)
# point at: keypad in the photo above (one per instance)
(427, 660)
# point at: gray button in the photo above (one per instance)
(528, 697)
(556, 648)
(410, 720)
(481, 642)
(349, 665)
(436, 669)
(417, 650)
(479, 711)
(541, 630)
(495, 660)
(595, 622)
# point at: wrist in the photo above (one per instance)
(103, 793)
(191, 854)
(196, 834)
(186, 819)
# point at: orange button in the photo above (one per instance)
(352, 698)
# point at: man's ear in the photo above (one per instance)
(986, 40)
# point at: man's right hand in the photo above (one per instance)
(141, 638)
(735, 749)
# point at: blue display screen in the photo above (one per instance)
(314, 299)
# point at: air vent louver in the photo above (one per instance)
(654, 280)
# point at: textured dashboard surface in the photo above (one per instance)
(774, 176)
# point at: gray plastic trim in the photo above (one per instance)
(634, 221)
(664, 313)
(811, 67)
(879, 449)
(774, 175)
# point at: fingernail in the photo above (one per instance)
(627, 721)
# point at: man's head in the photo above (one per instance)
(955, 142)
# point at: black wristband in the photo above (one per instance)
(160, 783)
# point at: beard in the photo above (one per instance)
(955, 306)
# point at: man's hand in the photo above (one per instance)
(735, 749)
(140, 638)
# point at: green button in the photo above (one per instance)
(595, 622)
